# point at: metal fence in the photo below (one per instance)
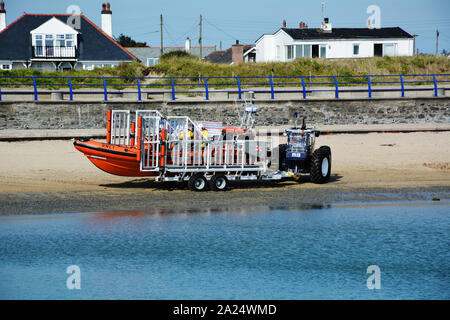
(173, 86)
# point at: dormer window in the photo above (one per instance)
(54, 39)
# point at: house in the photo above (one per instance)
(50, 42)
(327, 42)
(238, 53)
(149, 56)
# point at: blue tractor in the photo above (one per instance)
(299, 155)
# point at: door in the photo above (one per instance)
(151, 156)
(378, 49)
(315, 50)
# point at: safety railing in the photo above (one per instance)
(303, 86)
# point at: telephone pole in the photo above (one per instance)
(200, 38)
(437, 39)
(414, 43)
(161, 31)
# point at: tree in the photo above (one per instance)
(126, 41)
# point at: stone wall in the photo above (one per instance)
(84, 115)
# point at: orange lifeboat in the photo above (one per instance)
(114, 159)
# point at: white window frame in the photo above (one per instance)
(7, 65)
(155, 61)
(291, 49)
(320, 50)
(394, 45)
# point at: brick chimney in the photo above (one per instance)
(107, 19)
(284, 23)
(237, 53)
(2, 16)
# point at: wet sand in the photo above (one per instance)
(51, 176)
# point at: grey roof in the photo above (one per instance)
(347, 33)
(94, 44)
(224, 56)
(143, 53)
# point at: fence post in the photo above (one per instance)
(403, 86)
(336, 93)
(206, 88)
(304, 88)
(369, 86)
(173, 88)
(70, 89)
(35, 89)
(239, 88)
(272, 96)
(105, 89)
(139, 89)
(434, 80)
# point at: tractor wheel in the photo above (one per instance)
(218, 182)
(321, 165)
(197, 182)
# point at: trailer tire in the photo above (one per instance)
(321, 165)
(197, 182)
(218, 182)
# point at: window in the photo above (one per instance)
(389, 49)
(307, 50)
(356, 49)
(6, 67)
(152, 61)
(278, 52)
(289, 52)
(299, 51)
(323, 51)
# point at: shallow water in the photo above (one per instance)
(308, 252)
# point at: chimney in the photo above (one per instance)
(237, 53)
(284, 23)
(326, 25)
(107, 19)
(187, 45)
(2, 16)
(303, 25)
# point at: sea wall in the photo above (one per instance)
(92, 114)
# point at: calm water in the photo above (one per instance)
(271, 253)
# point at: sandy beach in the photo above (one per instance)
(51, 176)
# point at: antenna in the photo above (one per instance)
(323, 10)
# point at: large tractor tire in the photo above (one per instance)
(321, 165)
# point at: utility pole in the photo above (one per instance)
(437, 39)
(200, 38)
(414, 43)
(161, 31)
(220, 45)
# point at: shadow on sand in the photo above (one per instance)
(145, 183)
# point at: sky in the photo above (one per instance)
(246, 20)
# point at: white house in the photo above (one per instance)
(326, 42)
(50, 42)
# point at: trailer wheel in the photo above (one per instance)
(218, 182)
(321, 165)
(197, 183)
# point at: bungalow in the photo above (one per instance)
(50, 42)
(326, 42)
